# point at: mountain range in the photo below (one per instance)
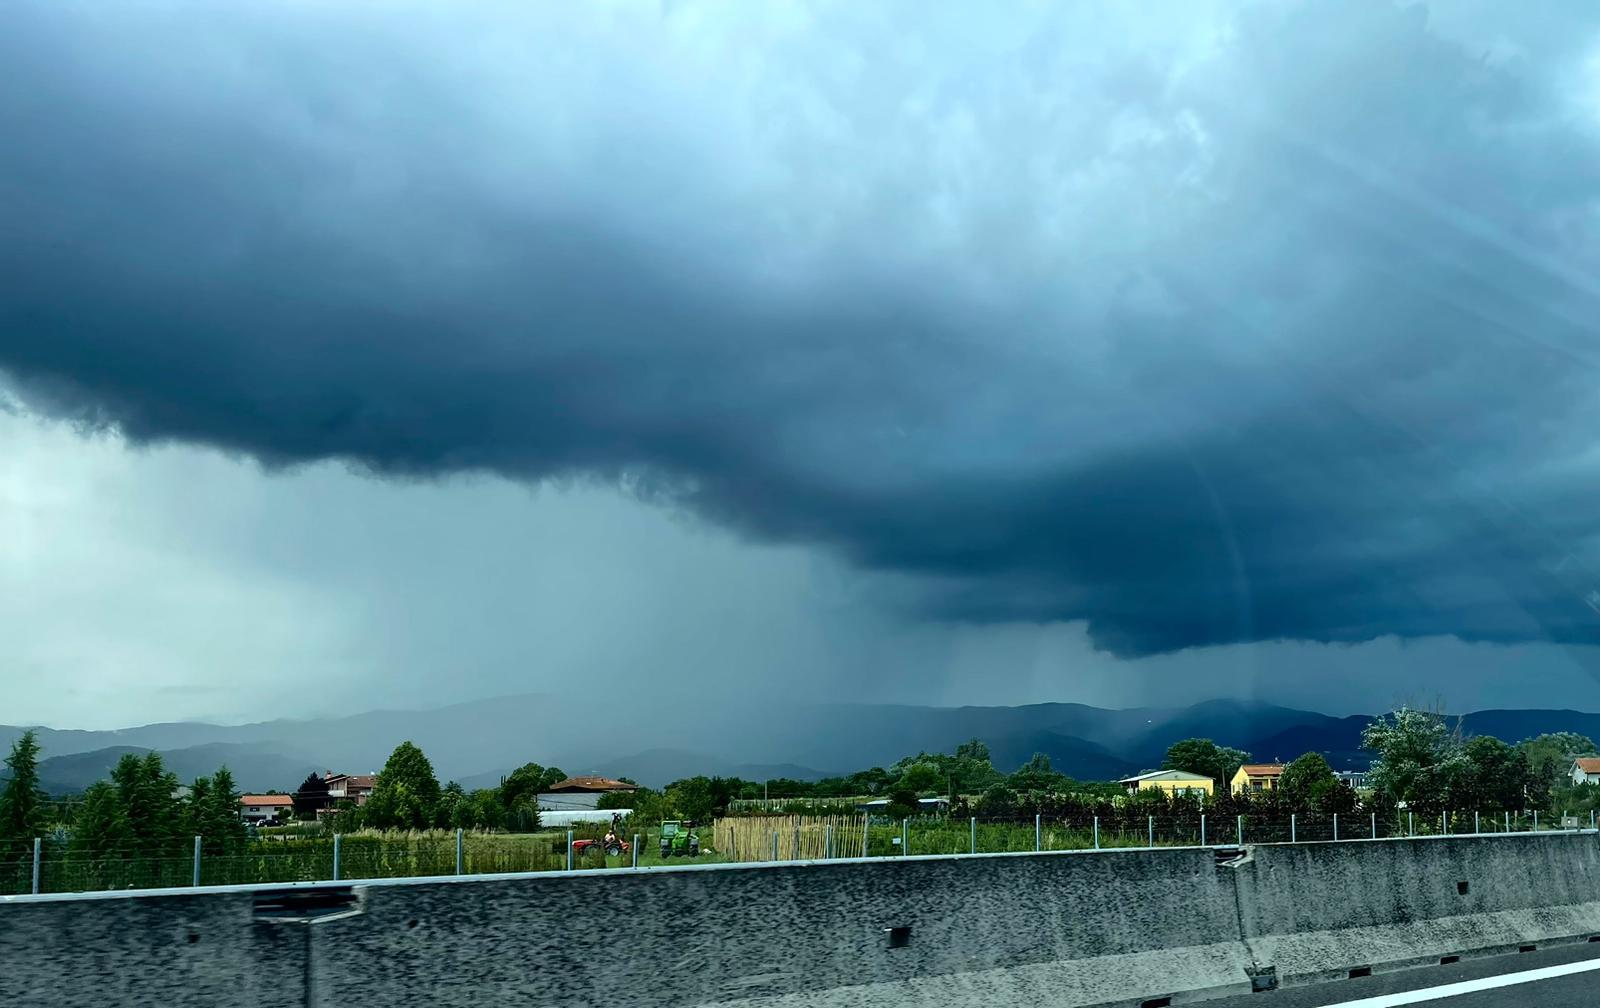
(478, 741)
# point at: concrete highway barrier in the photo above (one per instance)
(1115, 927)
(1317, 911)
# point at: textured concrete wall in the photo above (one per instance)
(1316, 911)
(697, 937)
(1070, 929)
(150, 951)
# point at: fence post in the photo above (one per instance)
(636, 850)
(866, 831)
(827, 840)
(1411, 823)
(774, 845)
(36, 847)
(1292, 836)
(796, 841)
(569, 850)
(1508, 820)
(1241, 831)
(1536, 820)
(1096, 832)
(336, 857)
(1202, 829)
(1374, 825)
(1152, 831)
(1591, 819)
(196, 860)
(974, 834)
(1336, 827)
(1476, 823)
(1444, 824)
(1036, 833)
(905, 836)
(460, 861)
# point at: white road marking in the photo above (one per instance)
(1470, 986)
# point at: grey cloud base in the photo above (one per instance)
(1251, 324)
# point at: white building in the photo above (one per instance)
(263, 808)
(1586, 770)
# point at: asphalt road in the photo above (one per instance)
(1464, 985)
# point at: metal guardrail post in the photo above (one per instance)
(569, 850)
(774, 845)
(827, 840)
(1096, 832)
(1476, 825)
(1336, 827)
(1536, 820)
(905, 837)
(1292, 837)
(796, 849)
(336, 857)
(1374, 825)
(974, 834)
(1202, 829)
(636, 850)
(866, 831)
(1411, 824)
(1508, 821)
(1036, 832)
(1241, 831)
(37, 845)
(196, 860)
(1444, 824)
(1152, 831)
(460, 861)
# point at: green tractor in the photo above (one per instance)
(678, 838)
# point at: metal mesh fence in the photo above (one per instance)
(740, 839)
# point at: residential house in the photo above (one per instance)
(580, 793)
(1254, 777)
(1357, 779)
(357, 787)
(1173, 782)
(257, 809)
(1586, 770)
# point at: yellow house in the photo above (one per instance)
(1256, 777)
(1170, 781)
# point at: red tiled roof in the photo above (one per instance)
(590, 784)
(1588, 764)
(1263, 769)
(265, 799)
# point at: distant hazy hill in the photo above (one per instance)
(477, 741)
(253, 768)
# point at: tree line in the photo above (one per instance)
(141, 808)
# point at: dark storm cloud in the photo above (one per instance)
(1254, 323)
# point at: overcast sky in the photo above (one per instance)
(369, 354)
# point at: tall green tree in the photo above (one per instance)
(1419, 759)
(227, 830)
(147, 793)
(1038, 775)
(22, 802)
(101, 828)
(406, 795)
(1549, 762)
(1306, 782)
(1498, 775)
(1203, 756)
